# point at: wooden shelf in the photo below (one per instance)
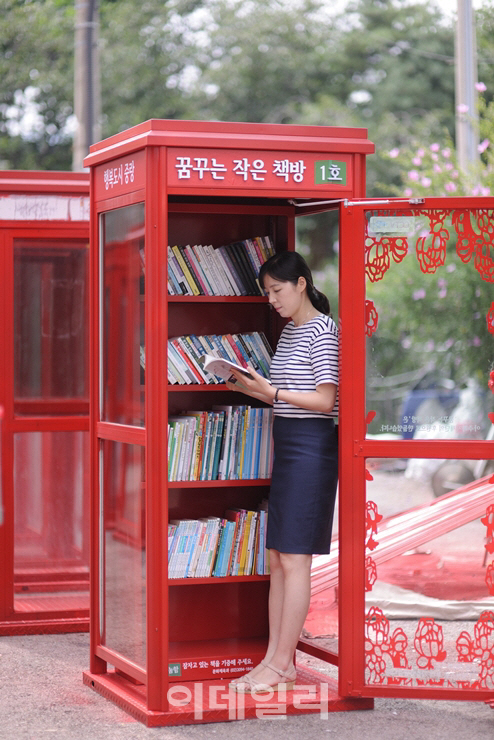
(215, 581)
(219, 483)
(217, 299)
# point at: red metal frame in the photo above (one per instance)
(356, 448)
(40, 211)
(141, 165)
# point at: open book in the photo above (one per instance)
(222, 368)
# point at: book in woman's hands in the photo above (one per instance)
(222, 368)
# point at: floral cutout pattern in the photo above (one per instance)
(433, 255)
(378, 253)
(475, 232)
(429, 643)
(379, 643)
(476, 243)
(371, 318)
(479, 649)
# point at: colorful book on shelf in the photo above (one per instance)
(181, 269)
(188, 354)
(234, 544)
(226, 443)
(231, 269)
(196, 269)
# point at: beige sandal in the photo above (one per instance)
(241, 679)
(248, 685)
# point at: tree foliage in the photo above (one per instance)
(36, 50)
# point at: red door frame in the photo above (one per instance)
(355, 448)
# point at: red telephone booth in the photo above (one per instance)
(164, 646)
(44, 230)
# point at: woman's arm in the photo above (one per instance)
(322, 399)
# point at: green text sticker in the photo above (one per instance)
(174, 669)
(330, 171)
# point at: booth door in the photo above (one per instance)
(416, 591)
(46, 428)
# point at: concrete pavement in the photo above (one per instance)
(42, 696)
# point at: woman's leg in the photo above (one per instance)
(289, 604)
(275, 607)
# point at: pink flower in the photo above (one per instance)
(417, 161)
(454, 174)
(437, 168)
(480, 86)
(434, 156)
(417, 295)
(448, 166)
(483, 145)
(426, 182)
(446, 153)
(462, 108)
(408, 192)
(443, 293)
(434, 147)
(476, 341)
(394, 153)
(480, 190)
(413, 175)
(450, 187)
(420, 152)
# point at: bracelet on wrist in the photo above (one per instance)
(276, 394)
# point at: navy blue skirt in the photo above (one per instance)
(303, 485)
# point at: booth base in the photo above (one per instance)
(212, 701)
(47, 614)
(55, 626)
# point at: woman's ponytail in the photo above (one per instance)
(318, 299)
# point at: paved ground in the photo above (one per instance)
(42, 696)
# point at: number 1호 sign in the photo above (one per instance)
(330, 171)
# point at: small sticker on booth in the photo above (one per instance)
(174, 669)
(329, 171)
(391, 224)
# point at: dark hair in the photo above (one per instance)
(289, 267)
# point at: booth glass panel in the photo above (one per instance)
(50, 323)
(122, 304)
(429, 575)
(51, 501)
(124, 550)
(427, 322)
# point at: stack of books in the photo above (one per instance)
(230, 270)
(186, 355)
(234, 545)
(227, 443)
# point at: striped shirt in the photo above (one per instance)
(305, 357)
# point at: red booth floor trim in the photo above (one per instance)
(211, 701)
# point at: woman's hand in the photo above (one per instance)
(253, 385)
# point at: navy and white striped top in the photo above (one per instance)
(305, 357)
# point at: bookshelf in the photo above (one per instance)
(153, 187)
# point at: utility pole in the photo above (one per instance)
(87, 96)
(465, 80)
